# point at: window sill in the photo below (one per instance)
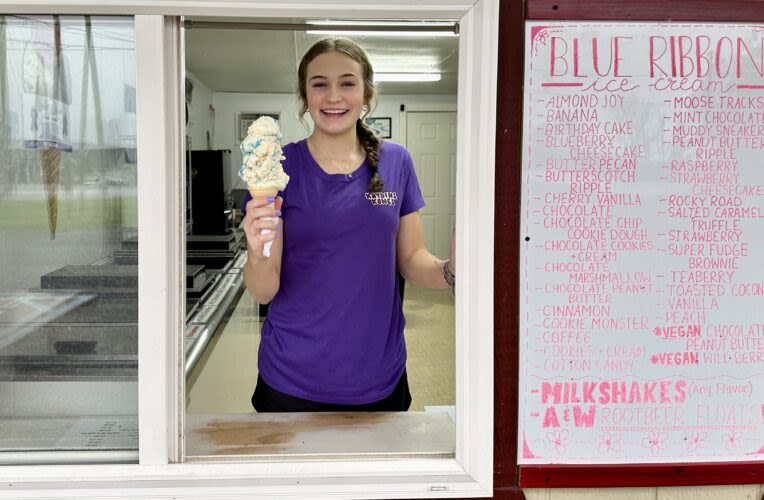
(253, 436)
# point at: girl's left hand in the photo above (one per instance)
(452, 254)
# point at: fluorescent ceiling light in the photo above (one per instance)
(356, 28)
(395, 62)
(410, 63)
(406, 77)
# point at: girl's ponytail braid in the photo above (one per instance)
(370, 144)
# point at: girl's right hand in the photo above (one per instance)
(260, 215)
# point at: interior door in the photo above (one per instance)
(431, 140)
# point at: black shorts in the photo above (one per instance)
(267, 399)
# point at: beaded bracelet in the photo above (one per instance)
(449, 277)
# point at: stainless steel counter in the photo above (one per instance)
(213, 311)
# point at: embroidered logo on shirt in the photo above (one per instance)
(383, 198)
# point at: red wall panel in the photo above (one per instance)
(507, 474)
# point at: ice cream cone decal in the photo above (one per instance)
(45, 100)
(51, 173)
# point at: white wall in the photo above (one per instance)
(200, 119)
(228, 105)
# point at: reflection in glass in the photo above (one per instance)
(68, 250)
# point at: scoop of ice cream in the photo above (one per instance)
(262, 167)
(262, 155)
(263, 127)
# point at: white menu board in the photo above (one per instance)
(642, 252)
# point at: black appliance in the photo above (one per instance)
(205, 196)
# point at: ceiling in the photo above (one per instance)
(265, 61)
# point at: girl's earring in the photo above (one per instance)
(364, 108)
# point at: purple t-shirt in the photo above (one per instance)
(334, 330)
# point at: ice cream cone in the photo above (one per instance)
(263, 191)
(51, 171)
(261, 169)
(259, 192)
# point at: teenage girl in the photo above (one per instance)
(333, 337)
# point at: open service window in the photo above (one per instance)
(237, 71)
(162, 92)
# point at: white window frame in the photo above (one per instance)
(159, 97)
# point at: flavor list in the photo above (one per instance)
(588, 166)
(642, 332)
(711, 211)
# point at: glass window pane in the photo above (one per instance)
(68, 237)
